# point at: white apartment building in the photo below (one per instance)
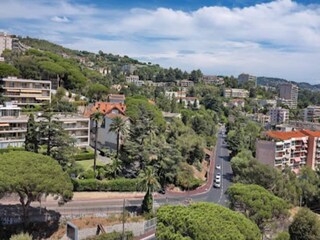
(13, 126)
(289, 95)
(311, 114)
(267, 102)
(279, 115)
(177, 94)
(26, 91)
(212, 80)
(5, 42)
(235, 93)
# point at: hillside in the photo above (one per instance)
(274, 82)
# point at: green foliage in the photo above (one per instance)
(204, 221)
(305, 226)
(137, 107)
(97, 92)
(31, 176)
(8, 70)
(21, 236)
(83, 156)
(32, 139)
(9, 149)
(185, 178)
(282, 236)
(147, 203)
(116, 185)
(257, 203)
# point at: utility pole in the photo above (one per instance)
(123, 218)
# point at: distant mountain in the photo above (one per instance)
(274, 82)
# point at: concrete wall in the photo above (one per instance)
(265, 152)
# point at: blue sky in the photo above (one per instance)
(279, 38)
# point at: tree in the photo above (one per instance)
(8, 70)
(149, 183)
(97, 91)
(96, 117)
(33, 176)
(257, 203)
(305, 226)
(119, 127)
(204, 221)
(32, 140)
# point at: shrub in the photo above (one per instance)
(119, 184)
(9, 149)
(83, 156)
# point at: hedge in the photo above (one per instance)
(116, 185)
(9, 149)
(83, 156)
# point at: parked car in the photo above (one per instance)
(218, 167)
(162, 191)
(218, 179)
(217, 184)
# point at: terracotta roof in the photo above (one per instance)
(286, 135)
(106, 108)
(310, 133)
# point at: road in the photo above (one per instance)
(215, 195)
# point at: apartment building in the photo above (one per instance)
(177, 94)
(279, 115)
(245, 78)
(212, 80)
(13, 126)
(189, 101)
(26, 91)
(283, 149)
(185, 83)
(235, 93)
(288, 94)
(311, 114)
(134, 79)
(313, 157)
(5, 42)
(293, 149)
(267, 102)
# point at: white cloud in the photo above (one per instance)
(60, 19)
(279, 38)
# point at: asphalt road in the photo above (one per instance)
(215, 195)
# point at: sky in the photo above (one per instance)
(279, 38)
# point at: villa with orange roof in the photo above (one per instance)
(110, 110)
(293, 149)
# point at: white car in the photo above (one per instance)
(218, 179)
(218, 167)
(217, 185)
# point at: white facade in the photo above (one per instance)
(279, 115)
(134, 79)
(311, 114)
(5, 42)
(26, 91)
(235, 93)
(13, 126)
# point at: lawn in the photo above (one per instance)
(86, 164)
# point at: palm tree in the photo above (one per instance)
(149, 183)
(96, 117)
(115, 167)
(118, 126)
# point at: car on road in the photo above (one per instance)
(218, 167)
(217, 184)
(218, 179)
(218, 174)
(162, 191)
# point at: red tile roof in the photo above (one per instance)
(310, 133)
(286, 135)
(106, 108)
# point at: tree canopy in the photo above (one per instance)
(8, 70)
(257, 203)
(204, 221)
(32, 176)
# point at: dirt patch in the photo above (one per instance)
(201, 174)
(91, 222)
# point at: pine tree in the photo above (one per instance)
(32, 137)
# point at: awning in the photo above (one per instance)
(297, 159)
(4, 124)
(296, 170)
(30, 91)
